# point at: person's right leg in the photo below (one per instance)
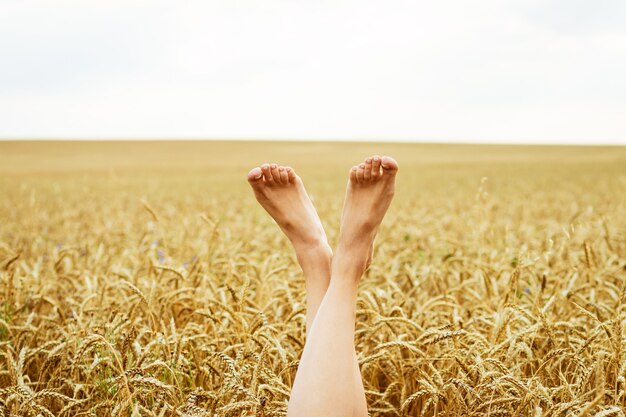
(324, 380)
(281, 192)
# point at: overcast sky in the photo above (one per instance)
(550, 71)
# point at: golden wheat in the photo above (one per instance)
(142, 279)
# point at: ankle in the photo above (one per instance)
(318, 250)
(350, 262)
(354, 249)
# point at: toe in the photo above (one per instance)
(353, 174)
(367, 171)
(255, 175)
(284, 176)
(376, 166)
(359, 173)
(275, 173)
(291, 174)
(267, 173)
(389, 165)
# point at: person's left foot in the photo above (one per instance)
(369, 193)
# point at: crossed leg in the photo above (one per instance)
(328, 381)
(282, 194)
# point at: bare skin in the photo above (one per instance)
(371, 188)
(290, 206)
(328, 381)
(320, 387)
(281, 193)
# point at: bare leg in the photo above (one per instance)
(324, 381)
(281, 192)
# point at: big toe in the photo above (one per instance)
(389, 165)
(255, 175)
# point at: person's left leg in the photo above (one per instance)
(282, 194)
(323, 384)
(316, 270)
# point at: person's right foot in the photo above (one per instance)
(281, 193)
(370, 190)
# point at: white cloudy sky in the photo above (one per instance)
(445, 70)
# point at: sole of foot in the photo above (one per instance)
(280, 191)
(370, 190)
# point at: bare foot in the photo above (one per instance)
(370, 190)
(281, 193)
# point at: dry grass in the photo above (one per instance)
(141, 279)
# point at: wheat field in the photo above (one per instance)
(142, 279)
